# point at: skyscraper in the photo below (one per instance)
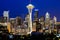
(47, 22)
(42, 22)
(55, 24)
(6, 16)
(47, 18)
(36, 15)
(55, 19)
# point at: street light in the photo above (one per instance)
(30, 8)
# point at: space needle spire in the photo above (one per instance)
(30, 1)
(30, 8)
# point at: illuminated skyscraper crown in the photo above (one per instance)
(6, 13)
(36, 10)
(47, 15)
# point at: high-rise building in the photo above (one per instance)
(47, 18)
(47, 21)
(55, 24)
(51, 25)
(35, 24)
(6, 16)
(42, 22)
(55, 19)
(12, 25)
(27, 22)
(36, 15)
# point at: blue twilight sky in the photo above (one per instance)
(18, 7)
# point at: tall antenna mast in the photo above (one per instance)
(30, 1)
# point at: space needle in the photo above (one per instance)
(30, 8)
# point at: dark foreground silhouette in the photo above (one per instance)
(32, 36)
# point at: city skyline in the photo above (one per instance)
(18, 7)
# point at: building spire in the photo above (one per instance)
(47, 15)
